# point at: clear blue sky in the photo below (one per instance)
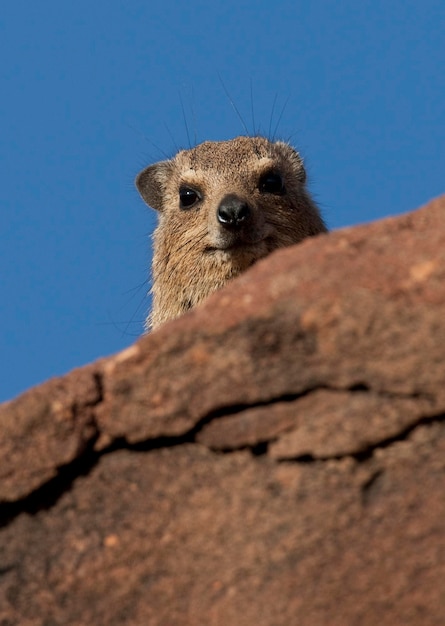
(91, 93)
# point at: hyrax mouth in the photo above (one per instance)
(241, 250)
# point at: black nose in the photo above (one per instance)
(232, 212)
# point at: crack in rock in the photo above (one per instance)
(47, 495)
(364, 454)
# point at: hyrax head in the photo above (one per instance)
(222, 206)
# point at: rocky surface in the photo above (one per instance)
(275, 457)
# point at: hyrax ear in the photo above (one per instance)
(296, 161)
(152, 181)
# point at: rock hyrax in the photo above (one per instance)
(222, 206)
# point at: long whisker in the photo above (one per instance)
(185, 120)
(195, 131)
(235, 108)
(280, 116)
(252, 108)
(172, 138)
(149, 140)
(271, 116)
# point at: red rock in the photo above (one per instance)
(46, 428)
(275, 457)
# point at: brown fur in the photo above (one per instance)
(194, 254)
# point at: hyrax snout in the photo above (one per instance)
(222, 206)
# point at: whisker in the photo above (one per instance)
(148, 140)
(280, 116)
(194, 118)
(134, 290)
(235, 108)
(185, 120)
(271, 116)
(177, 148)
(132, 319)
(251, 108)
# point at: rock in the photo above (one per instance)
(46, 428)
(275, 457)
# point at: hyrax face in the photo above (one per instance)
(222, 206)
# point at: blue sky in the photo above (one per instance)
(94, 91)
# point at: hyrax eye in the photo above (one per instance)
(271, 182)
(188, 197)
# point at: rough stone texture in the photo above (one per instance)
(44, 429)
(275, 457)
